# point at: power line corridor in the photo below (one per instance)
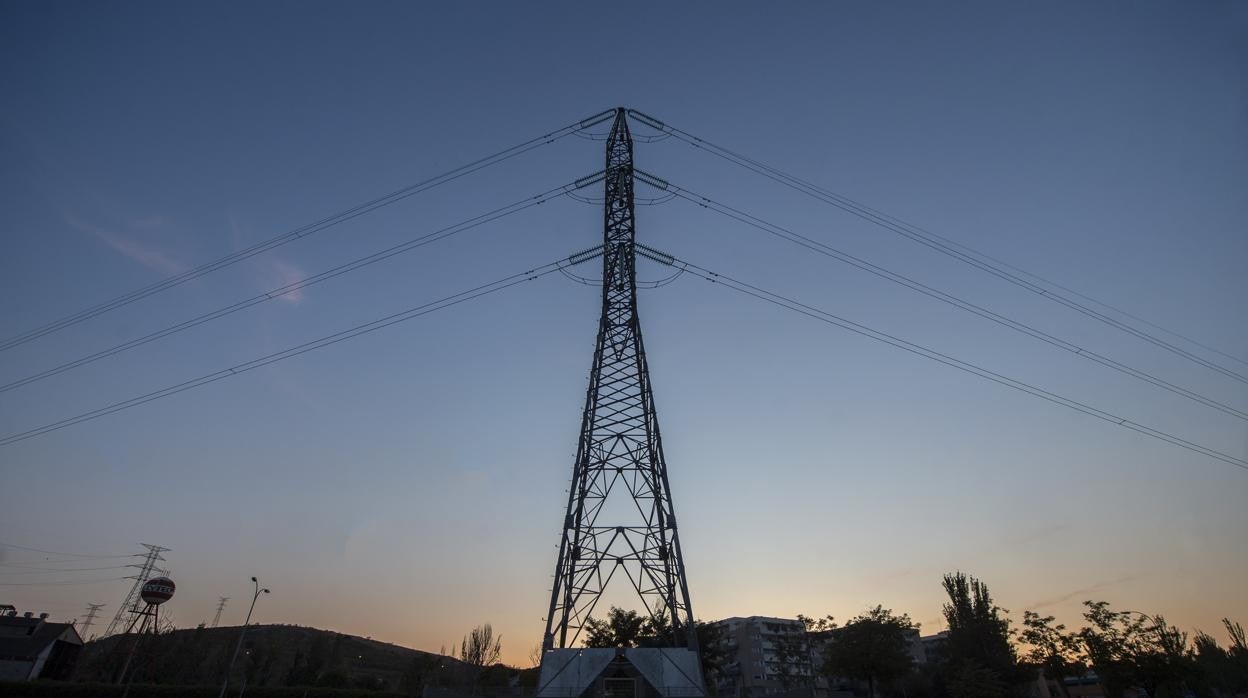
(1196, 352)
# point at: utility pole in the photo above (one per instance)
(130, 604)
(220, 607)
(93, 609)
(226, 683)
(619, 519)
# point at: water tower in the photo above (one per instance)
(155, 592)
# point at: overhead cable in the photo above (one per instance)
(52, 552)
(290, 352)
(307, 281)
(27, 570)
(948, 247)
(59, 583)
(883, 273)
(305, 230)
(987, 374)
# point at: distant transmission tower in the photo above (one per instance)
(93, 609)
(220, 607)
(132, 604)
(620, 519)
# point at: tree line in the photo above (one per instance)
(981, 654)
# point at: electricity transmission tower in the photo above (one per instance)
(93, 609)
(620, 519)
(220, 607)
(130, 605)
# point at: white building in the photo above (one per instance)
(32, 648)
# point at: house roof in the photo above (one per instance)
(39, 634)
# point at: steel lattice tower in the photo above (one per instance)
(93, 609)
(619, 518)
(131, 604)
(220, 607)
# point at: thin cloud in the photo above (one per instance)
(151, 258)
(1099, 586)
(150, 222)
(893, 575)
(1008, 542)
(1036, 535)
(288, 273)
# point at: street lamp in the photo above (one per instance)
(225, 684)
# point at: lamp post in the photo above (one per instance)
(225, 684)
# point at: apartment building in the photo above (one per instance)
(764, 656)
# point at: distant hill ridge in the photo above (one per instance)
(281, 655)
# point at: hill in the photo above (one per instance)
(283, 655)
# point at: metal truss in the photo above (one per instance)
(620, 520)
(131, 607)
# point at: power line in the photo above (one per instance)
(359, 263)
(858, 328)
(305, 230)
(60, 583)
(51, 552)
(327, 340)
(826, 250)
(945, 246)
(57, 563)
(27, 569)
(38, 563)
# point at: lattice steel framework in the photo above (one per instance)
(132, 606)
(620, 518)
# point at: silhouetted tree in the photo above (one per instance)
(979, 635)
(874, 647)
(793, 664)
(657, 631)
(1133, 650)
(1239, 644)
(816, 625)
(713, 650)
(495, 675)
(621, 629)
(630, 629)
(1211, 662)
(1051, 648)
(1238, 655)
(970, 679)
(480, 648)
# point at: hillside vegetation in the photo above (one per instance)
(283, 656)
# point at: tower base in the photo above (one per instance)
(623, 672)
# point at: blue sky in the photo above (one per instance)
(409, 484)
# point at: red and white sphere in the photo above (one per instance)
(157, 590)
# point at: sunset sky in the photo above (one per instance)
(409, 484)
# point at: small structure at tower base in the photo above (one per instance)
(621, 672)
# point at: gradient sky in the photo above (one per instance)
(410, 484)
